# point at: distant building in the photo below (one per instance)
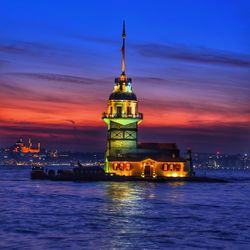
(124, 155)
(21, 147)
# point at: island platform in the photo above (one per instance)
(87, 174)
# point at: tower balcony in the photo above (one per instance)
(118, 80)
(122, 115)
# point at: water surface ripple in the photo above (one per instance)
(102, 215)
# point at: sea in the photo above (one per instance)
(42, 214)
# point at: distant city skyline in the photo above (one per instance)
(189, 62)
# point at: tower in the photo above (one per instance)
(122, 116)
(30, 143)
(124, 156)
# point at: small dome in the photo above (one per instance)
(122, 96)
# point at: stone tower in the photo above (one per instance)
(122, 116)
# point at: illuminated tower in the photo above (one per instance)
(122, 116)
(30, 143)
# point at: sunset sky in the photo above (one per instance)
(189, 61)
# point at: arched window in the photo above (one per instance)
(128, 166)
(171, 167)
(115, 166)
(177, 167)
(121, 166)
(119, 111)
(164, 167)
(129, 111)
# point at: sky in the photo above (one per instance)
(189, 61)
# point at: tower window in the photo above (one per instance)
(111, 110)
(129, 110)
(119, 111)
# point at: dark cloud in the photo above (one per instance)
(26, 48)
(52, 141)
(49, 128)
(3, 62)
(226, 137)
(195, 106)
(56, 77)
(85, 138)
(45, 53)
(95, 39)
(10, 91)
(150, 79)
(182, 53)
(71, 121)
(194, 55)
(12, 49)
(152, 50)
(10, 88)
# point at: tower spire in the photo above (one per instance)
(123, 48)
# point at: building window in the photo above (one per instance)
(121, 166)
(171, 167)
(111, 110)
(115, 166)
(129, 111)
(177, 167)
(128, 166)
(164, 167)
(119, 111)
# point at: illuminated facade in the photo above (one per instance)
(21, 147)
(124, 155)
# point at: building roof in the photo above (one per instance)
(142, 157)
(157, 146)
(122, 96)
(161, 152)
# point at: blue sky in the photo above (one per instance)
(189, 59)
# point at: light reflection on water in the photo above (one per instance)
(99, 215)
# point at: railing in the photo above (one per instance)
(122, 115)
(118, 80)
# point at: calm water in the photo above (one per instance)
(66, 215)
